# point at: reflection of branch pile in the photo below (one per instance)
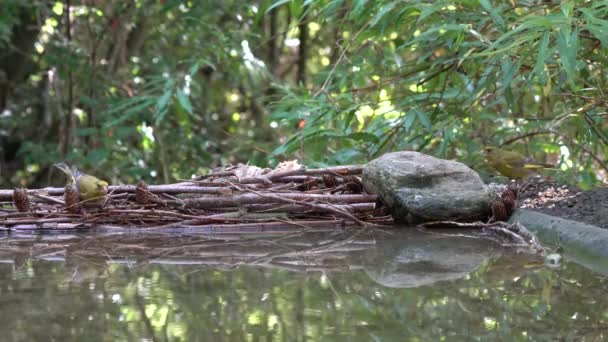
(296, 252)
(236, 197)
(506, 234)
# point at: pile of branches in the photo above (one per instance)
(240, 198)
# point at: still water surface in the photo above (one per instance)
(402, 286)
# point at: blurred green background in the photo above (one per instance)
(164, 89)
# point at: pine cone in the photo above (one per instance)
(142, 195)
(22, 202)
(329, 181)
(509, 204)
(509, 193)
(71, 198)
(499, 212)
(353, 184)
(309, 184)
(514, 189)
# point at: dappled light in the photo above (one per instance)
(220, 82)
(346, 287)
(296, 170)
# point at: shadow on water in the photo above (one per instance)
(341, 286)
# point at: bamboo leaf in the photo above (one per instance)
(424, 119)
(488, 7)
(539, 67)
(567, 44)
(364, 136)
(184, 100)
(276, 4)
(410, 117)
(428, 10)
(131, 112)
(383, 11)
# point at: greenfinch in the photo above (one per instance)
(512, 164)
(90, 188)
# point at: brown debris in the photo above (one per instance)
(353, 184)
(209, 202)
(546, 195)
(330, 181)
(142, 196)
(509, 203)
(21, 200)
(513, 189)
(71, 199)
(309, 184)
(499, 211)
(509, 196)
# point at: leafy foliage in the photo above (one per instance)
(167, 88)
(448, 78)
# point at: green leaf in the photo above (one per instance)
(384, 10)
(288, 146)
(184, 120)
(358, 7)
(130, 102)
(567, 46)
(162, 105)
(86, 131)
(284, 115)
(314, 132)
(364, 136)
(97, 155)
(599, 27)
(429, 9)
(424, 119)
(410, 117)
(281, 149)
(131, 112)
(509, 70)
(539, 67)
(346, 155)
(276, 4)
(567, 7)
(184, 100)
(488, 7)
(194, 68)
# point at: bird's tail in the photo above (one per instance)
(538, 166)
(72, 172)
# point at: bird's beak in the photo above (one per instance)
(104, 188)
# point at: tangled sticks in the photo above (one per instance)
(231, 198)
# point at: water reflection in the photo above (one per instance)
(350, 287)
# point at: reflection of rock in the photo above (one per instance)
(419, 187)
(417, 259)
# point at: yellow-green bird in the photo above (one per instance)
(90, 188)
(512, 164)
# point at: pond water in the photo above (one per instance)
(337, 286)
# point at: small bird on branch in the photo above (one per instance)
(513, 164)
(89, 188)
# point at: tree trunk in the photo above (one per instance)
(302, 52)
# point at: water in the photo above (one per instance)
(402, 286)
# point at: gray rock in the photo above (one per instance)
(418, 187)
